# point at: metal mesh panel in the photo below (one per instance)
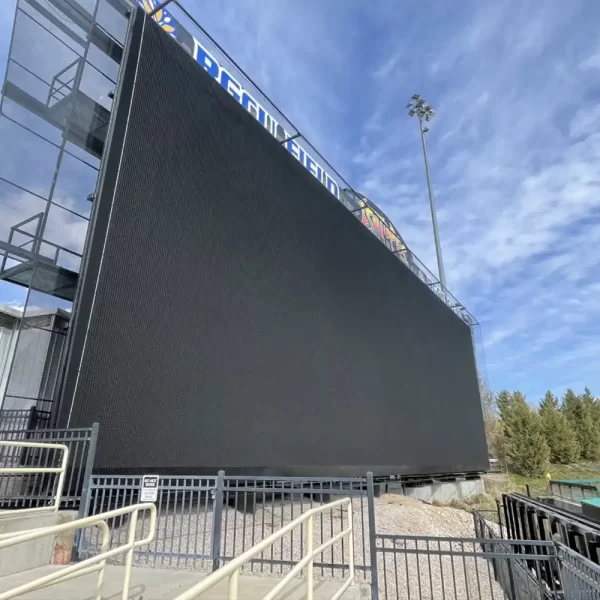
(232, 292)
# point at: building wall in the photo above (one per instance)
(28, 366)
(30, 349)
(234, 314)
(8, 338)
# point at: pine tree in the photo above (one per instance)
(589, 437)
(580, 412)
(560, 437)
(587, 399)
(526, 447)
(504, 404)
(592, 404)
(572, 406)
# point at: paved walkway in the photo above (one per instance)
(160, 584)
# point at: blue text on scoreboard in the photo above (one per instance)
(220, 74)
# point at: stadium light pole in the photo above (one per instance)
(424, 112)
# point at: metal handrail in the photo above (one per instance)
(56, 79)
(60, 471)
(36, 240)
(91, 565)
(232, 568)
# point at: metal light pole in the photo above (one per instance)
(425, 112)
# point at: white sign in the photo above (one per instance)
(149, 488)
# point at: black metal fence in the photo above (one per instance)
(12, 420)
(523, 574)
(34, 489)
(580, 577)
(204, 522)
(529, 519)
(462, 568)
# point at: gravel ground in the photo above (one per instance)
(183, 541)
(406, 575)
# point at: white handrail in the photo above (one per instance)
(60, 470)
(96, 563)
(232, 568)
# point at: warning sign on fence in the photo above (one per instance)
(149, 488)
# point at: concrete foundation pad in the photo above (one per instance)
(443, 492)
(161, 584)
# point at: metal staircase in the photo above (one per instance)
(83, 121)
(25, 265)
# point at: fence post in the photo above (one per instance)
(85, 498)
(499, 518)
(372, 537)
(31, 422)
(217, 520)
(89, 467)
(511, 578)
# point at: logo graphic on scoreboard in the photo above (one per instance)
(370, 215)
(163, 17)
(373, 219)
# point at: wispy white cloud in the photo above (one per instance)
(515, 148)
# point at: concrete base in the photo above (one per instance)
(50, 549)
(442, 492)
(160, 584)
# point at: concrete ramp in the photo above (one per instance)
(162, 584)
(53, 549)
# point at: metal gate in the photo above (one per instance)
(205, 521)
(416, 567)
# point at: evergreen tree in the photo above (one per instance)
(580, 412)
(504, 404)
(592, 404)
(589, 437)
(560, 437)
(526, 447)
(572, 406)
(588, 399)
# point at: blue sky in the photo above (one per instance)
(514, 149)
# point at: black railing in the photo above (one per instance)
(33, 490)
(12, 420)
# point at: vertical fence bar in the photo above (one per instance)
(217, 520)
(372, 537)
(499, 517)
(31, 422)
(87, 472)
